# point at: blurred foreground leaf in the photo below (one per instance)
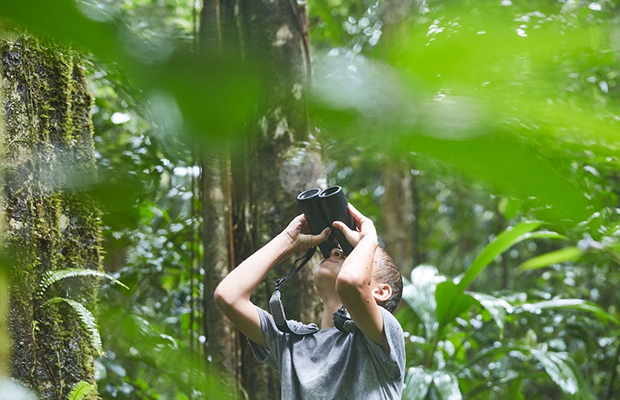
(212, 91)
(553, 257)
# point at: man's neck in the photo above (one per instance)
(330, 306)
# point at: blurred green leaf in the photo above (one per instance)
(509, 207)
(553, 257)
(451, 302)
(564, 373)
(544, 235)
(571, 304)
(497, 307)
(503, 242)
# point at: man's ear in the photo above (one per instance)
(382, 292)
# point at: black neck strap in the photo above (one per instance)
(342, 320)
(294, 270)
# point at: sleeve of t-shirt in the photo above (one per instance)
(275, 339)
(394, 364)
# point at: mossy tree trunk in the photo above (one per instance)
(273, 35)
(51, 225)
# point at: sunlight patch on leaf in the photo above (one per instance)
(447, 386)
(571, 304)
(419, 293)
(497, 308)
(417, 383)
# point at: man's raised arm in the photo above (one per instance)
(355, 278)
(232, 295)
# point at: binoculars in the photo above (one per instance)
(322, 208)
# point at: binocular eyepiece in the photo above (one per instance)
(322, 208)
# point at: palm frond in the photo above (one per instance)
(417, 383)
(87, 319)
(564, 372)
(419, 293)
(447, 386)
(51, 277)
(81, 390)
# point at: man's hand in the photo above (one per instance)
(299, 235)
(365, 228)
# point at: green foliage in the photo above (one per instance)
(81, 390)
(440, 306)
(564, 373)
(451, 299)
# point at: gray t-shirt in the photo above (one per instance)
(331, 364)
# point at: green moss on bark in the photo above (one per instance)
(51, 225)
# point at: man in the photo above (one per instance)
(368, 363)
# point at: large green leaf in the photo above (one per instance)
(451, 302)
(375, 98)
(544, 235)
(503, 242)
(419, 293)
(553, 257)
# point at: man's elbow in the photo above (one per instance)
(347, 285)
(222, 299)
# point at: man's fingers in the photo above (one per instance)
(357, 216)
(320, 238)
(348, 233)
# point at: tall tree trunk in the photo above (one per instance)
(50, 226)
(397, 209)
(273, 35)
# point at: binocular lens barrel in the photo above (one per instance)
(321, 209)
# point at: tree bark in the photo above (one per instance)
(273, 36)
(50, 225)
(397, 209)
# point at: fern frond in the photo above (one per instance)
(80, 390)
(51, 277)
(86, 317)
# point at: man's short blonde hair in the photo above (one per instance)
(387, 272)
